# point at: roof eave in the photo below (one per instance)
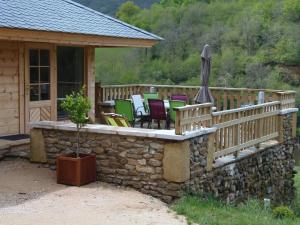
(17, 34)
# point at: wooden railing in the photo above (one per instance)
(242, 128)
(192, 117)
(225, 98)
(239, 121)
(287, 99)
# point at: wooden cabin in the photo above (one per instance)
(47, 50)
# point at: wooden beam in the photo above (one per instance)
(53, 81)
(90, 78)
(22, 87)
(72, 39)
(246, 119)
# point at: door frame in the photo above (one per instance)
(53, 82)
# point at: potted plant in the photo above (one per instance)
(76, 168)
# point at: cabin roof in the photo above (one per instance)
(65, 16)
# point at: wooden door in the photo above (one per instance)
(40, 83)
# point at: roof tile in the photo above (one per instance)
(65, 16)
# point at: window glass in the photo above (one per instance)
(39, 69)
(45, 75)
(34, 75)
(34, 92)
(45, 91)
(34, 57)
(70, 72)
(44, 58)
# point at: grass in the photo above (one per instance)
(213, 212)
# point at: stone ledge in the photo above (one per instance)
(124, 131)
(6, 144)
(17, 148)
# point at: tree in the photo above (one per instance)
(77, 105)
(127, 11)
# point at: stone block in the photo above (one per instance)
(154, 162)
(145, 169)
(142, 162)
(37, 146)
(99, 150)
(176, 162)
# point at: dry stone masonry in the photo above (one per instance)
(167, 168)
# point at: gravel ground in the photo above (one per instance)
(29, 195)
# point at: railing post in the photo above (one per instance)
(280, 128)
(236, 154)
(178, 130)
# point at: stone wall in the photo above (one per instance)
(167, 168)
(266, 173)
(127, 161)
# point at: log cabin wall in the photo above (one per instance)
(9, 88)
(14, 109)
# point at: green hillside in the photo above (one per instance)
(110, 6)
(255, 44)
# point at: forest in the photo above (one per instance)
(110, 6)
(255, 44)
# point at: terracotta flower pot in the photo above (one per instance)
(76, 171)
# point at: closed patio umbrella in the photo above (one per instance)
(204, 94)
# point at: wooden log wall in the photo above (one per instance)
(9, 86)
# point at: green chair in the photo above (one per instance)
(124, 108)
(173, 105)
(149, 96)
(122, 121)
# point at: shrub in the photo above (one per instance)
(77, 106)
(281, 212)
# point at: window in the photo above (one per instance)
(39, 74)
(70, 73)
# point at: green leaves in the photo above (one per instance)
(249, 39)
(127, 11)
(77, 106)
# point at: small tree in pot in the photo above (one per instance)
(77, 106)
(76, 169)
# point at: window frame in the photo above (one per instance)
(39, 84)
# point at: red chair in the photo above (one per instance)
(158, 111)
(180, 97)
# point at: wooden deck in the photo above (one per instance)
(241, 123)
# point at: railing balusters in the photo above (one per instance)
(192, 117)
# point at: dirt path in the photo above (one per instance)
(29, 195)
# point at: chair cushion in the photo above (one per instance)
(138, 105)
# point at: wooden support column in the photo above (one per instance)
(90, 78)
(22, 87)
